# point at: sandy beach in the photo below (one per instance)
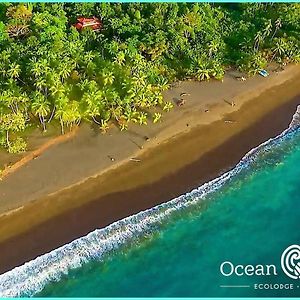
(74, 187)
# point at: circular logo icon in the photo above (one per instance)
(290, 261)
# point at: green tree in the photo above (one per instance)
(40, 107)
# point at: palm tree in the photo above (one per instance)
(88, 57)
(278, 25)
(120, 58)
(65, 71)
(156, 117)
(130, 114)
(212, 47)
(168, 106)
(94, 105)
(60, 111)
(7, 99)
(40, 84)
(57, 87)
(258, 40)
(113, 48)
(40, 107)
(108, 78)
(72, 114)
(202, 73)
(5, 125)
(36, 68)
(163, 84)
(142, 118)
(268, 28)
(104, 126)
(84, 84)
(39, 67)
(14, 122)
(14, 70)
(279, 48)
(139, 81)
(218, 71)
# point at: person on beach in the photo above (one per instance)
(180, 102)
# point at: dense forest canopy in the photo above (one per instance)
(49, 71)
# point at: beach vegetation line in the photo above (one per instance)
(109, 63)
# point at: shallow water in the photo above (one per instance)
(249, 221)
(248, 216)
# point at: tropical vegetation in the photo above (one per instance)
(50, 72)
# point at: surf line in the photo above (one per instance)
(31, 278)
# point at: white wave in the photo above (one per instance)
(31, 278)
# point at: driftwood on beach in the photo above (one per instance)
(135, 159)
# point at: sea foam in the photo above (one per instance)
(31, 278)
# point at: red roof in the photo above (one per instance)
(93, 22)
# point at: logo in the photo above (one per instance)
(290, 261)
(290, 265)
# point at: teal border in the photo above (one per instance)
(129, 298)
(159, 1)
(235, 298)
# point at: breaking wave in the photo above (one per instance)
(31, 278)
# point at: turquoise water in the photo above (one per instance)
(250, 219)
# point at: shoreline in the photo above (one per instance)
(102, 200)
(88, 154)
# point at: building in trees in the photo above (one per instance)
(93, 23)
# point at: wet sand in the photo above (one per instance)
(165, 171)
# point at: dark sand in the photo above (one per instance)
(169, 170)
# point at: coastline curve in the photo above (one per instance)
(31, 277)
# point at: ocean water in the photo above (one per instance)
(247, 216)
